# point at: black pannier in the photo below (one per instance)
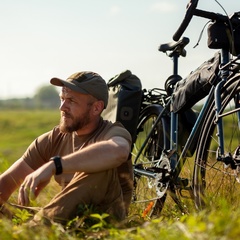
(221, 37)
(196, 85)
(125, 98)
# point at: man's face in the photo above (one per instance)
(75, 110)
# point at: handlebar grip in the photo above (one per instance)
(188, 16)
(182, 28)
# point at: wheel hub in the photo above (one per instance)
(161, 180)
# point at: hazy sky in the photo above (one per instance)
(41, 39)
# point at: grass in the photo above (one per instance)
(19, 128)
(205, 225)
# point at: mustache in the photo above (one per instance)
(65, 114)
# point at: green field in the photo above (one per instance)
(19, 128)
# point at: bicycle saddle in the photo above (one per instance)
(175, 47)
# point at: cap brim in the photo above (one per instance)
(60, 83)
(56, 82)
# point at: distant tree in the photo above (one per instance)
(47, 97)
(17, 103)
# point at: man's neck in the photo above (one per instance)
(90, 128)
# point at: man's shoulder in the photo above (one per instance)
(116, 129)
(116, 125)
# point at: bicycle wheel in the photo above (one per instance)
(149, 192)
(216, 180)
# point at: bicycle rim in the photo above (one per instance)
(213, 180)
(147, 201)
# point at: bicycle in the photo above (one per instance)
(199, 160)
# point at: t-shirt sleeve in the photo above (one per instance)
(38, 151)
(117, 129)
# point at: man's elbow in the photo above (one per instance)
(123, 151)
(124, 155)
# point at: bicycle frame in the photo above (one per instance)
(215, 93)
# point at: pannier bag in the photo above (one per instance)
(196, 85)
(220, 37)
(125, 98)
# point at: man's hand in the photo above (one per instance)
(35, 182)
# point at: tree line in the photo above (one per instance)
(46, 97)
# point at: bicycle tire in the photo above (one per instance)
(146, 200)
(212, 181)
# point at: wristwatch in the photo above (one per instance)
(58, 164)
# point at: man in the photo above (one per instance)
(87, 155)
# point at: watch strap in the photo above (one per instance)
(58, 164)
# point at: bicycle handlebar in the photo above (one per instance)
(191, 10)
(192, 5)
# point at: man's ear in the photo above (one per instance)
(98, 107)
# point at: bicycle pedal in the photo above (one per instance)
(183, 186)
(189, 193)
(182, 182)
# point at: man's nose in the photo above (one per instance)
(63, 105)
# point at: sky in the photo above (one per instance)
(41, 39)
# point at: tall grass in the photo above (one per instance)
(217, 224)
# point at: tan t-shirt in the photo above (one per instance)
(56, 143)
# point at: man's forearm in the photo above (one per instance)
(7, 186)
(98, 157)
(11, 179)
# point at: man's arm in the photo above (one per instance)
(97, 157)
(11, 179)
